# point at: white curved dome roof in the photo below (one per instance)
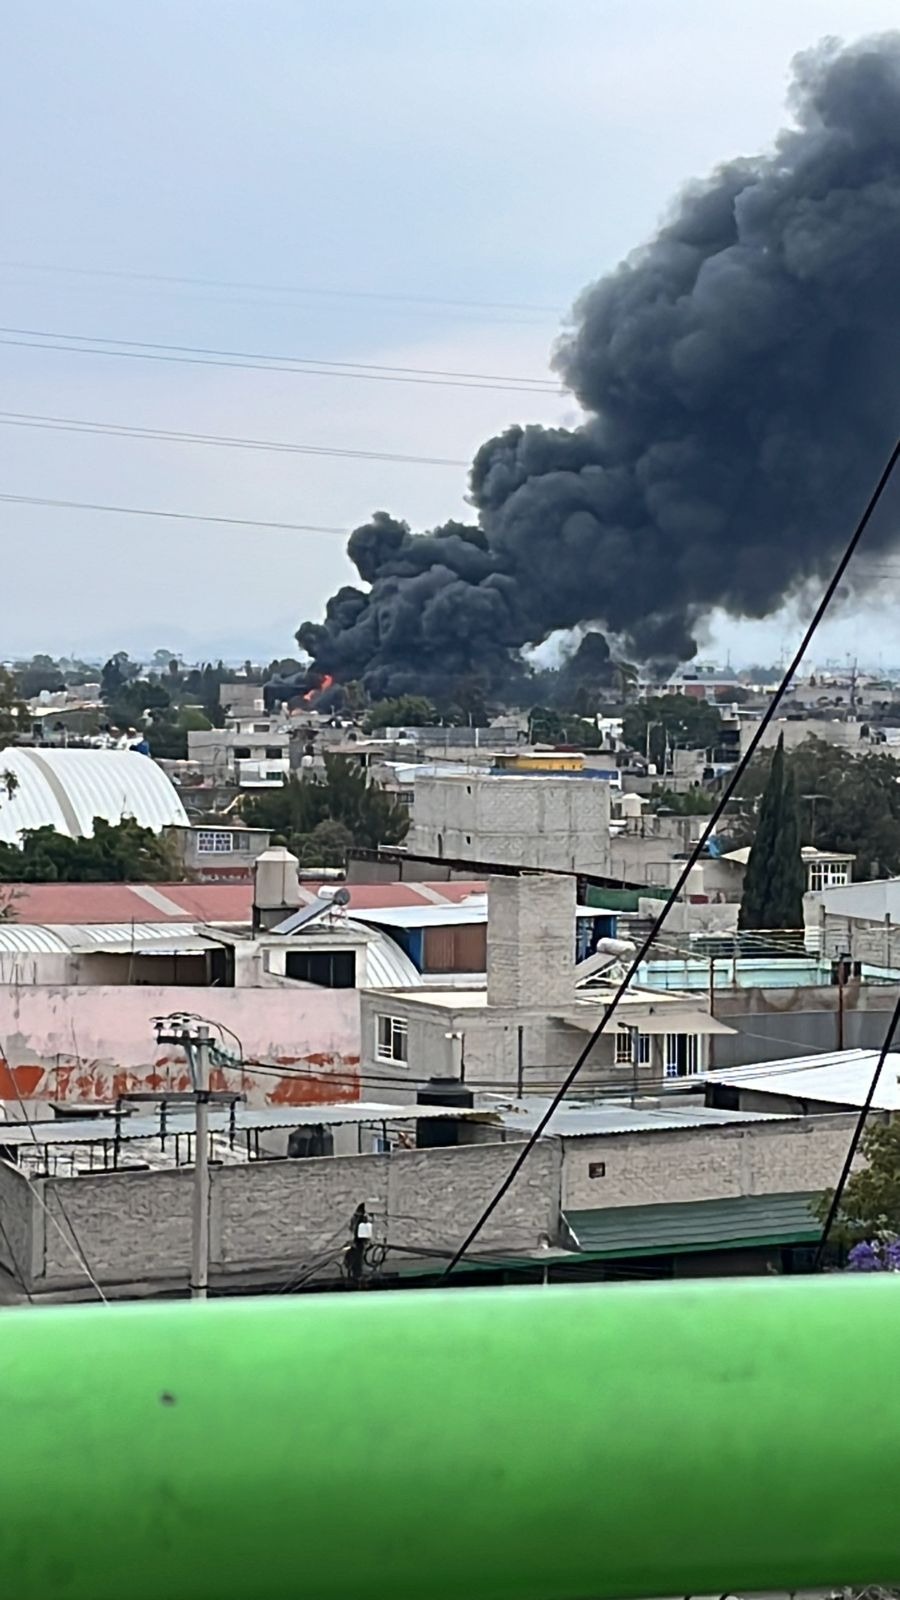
(67, 789)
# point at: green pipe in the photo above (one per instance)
(531, 1444)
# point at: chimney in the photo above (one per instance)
(531, 941)
(276, 887)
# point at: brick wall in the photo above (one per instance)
(530, 941)
(706, 1164)
(276, 1217)
(17, 1214)
(560, 823)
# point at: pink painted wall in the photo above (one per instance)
(90, 1044)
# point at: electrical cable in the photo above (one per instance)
(858, 1129)
(74, 1243)
(728, 791)
(115, 430)
(297, 366)
(19, 1274)
(177, 516)
(276, 288)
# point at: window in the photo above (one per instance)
(624, 1049)
(274, 752)
(682, 1055)
(260, 727)
(391, 1038)
(274, 775)
(330, 969)
(828, 874)
(214, 842)
(242, 752)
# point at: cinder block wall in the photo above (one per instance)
(531, 941)
(670, 1167)
(277, 1216)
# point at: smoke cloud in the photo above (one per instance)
(740, 378)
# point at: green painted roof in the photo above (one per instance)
(697, 1225)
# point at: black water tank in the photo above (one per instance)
(311, 1141)
(433, 1132)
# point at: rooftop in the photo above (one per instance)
(839, 1077)
(66, 789)
(56, 903)
(589, 1121)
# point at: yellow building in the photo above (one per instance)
(540, 761)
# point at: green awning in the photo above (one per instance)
(760, 1219)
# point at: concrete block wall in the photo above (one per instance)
(530, 941)
(270, 1217)
(675, 1166)
(17, 1238)
(559, 823)
(495, 1040)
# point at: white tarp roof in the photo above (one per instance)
(66, 789)
(839, 1077)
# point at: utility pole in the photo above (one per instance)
(198, 1058)
(194, 1038)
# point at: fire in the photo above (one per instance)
(324, 683)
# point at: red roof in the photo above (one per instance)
(51, 903)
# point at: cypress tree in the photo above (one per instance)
(788, 878)
(758, 901)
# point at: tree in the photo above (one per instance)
(870, 1204)
(773, 884)
(121, 852)
(339, 795)
(848, 802)
(115, 674)
(409, 711)
(661, 721)
(10, 706)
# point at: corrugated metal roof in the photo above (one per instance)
(66, 789)
(81, 938)
(473, 909)
(143, 1125)
(591, 1122)
(389, 967)
(53, 903)
(839, 1077)
(696, 1225)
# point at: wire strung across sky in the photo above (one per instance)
(302, 366)
(28, 419)
(377, 295)
(178, 516)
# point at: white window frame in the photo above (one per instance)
(692, 1053)
(625, 1043)
(391, 1038)
(828, 875)
(214, 841)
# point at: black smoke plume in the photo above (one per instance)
(740, 377)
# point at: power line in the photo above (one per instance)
(858, 1129)
(178, 516)
(304, 366)
(17, 1269)
(279, 288)
(26, 419)
(831, 589)
(72, 1243)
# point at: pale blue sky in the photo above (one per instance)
(456, 172)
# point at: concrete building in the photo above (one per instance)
(856, 920)
(250, 752)
(559, 823)
(673, 1188)
(525, 1028)
(212, 852)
